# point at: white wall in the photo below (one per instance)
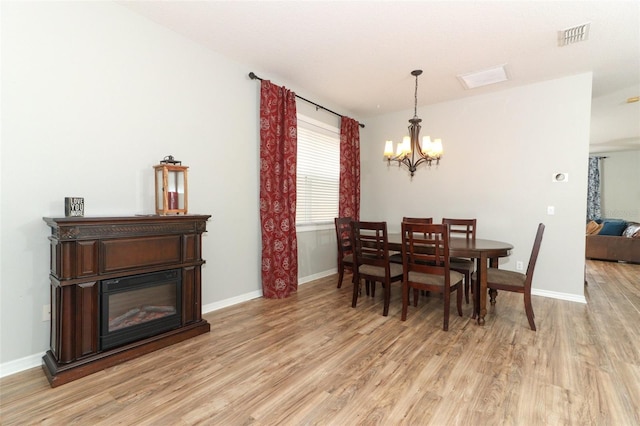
(93, 96)
(615, 123)
(500, 152)
(620, 185)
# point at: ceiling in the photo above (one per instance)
(360, 54)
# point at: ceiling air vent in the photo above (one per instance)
(574, 34)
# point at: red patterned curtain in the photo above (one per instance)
(349, 205)
(278, 151)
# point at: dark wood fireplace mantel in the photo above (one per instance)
(87, 250)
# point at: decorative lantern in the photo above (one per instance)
(171, 187)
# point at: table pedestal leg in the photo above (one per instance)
(481, 297)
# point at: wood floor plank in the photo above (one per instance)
(312, 359)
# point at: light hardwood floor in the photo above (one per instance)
(312, 359)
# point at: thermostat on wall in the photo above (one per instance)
(560, 177)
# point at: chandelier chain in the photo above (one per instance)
(415, 101)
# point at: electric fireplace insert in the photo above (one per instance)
(139, 306)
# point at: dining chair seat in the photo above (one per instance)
(379, 271)
(504, 277)
(434, 280)
(458, 263)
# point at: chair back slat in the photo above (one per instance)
(426, 247)
(421, 220)
(462, 227)
(371, 245)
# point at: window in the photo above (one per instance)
(318, 173)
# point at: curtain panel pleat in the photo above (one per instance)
(278, 150)
(349, 198)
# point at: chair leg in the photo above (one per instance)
(447, 302)
(340, 276)
(459, 300)
(405, 301)
(475, 292)
(416, 294)
(387, 298)
(529, 310)
(473, 298)
(467, 281)
(356, 290)
(493, 293)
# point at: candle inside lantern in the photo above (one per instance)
(172, 199)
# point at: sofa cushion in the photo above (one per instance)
(632, 230)
(593, 227)
(613, 227)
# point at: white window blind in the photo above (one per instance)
(318, 173)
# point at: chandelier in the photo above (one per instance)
(409, 151)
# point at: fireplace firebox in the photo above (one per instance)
(139, 306)
(121, 287)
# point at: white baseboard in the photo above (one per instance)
(18, 365)
(258, 293)
(210, 307)
(317, 276)
(557, 295)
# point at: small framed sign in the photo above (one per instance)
(73, 206)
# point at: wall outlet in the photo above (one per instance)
(551, 210)
(519, 266)
(46, 312)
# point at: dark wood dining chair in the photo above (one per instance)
(463, 228)
(345, 247)
(499, 279)
(397, 257)
(371, 256)
(425, 251)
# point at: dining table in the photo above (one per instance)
(480, 249)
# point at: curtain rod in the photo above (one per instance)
(599, 158)
(252, 76)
